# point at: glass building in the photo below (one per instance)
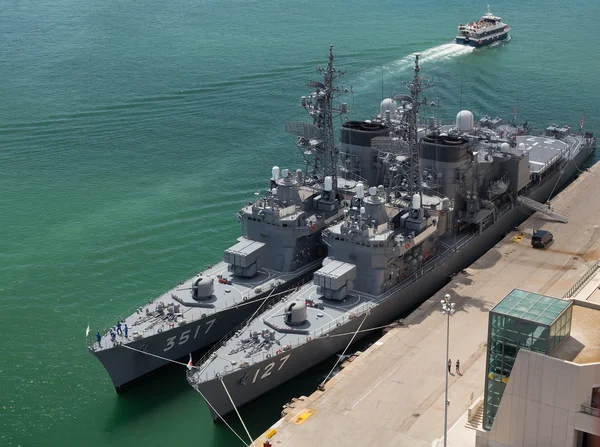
(522, 320)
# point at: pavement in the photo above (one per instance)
(393, 393)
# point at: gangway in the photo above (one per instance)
(542, 208)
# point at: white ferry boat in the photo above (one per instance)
(488, 29)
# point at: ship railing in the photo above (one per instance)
(351, 315)
(353, 177)
(105, 326)
(583, 280)
(268, 302)
(204, 375)
(434, 193)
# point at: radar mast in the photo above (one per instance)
(317, 140)
(416, 86)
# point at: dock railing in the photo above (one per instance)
(583, 280)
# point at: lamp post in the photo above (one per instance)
(447, 309)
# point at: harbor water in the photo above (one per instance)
(131, 133)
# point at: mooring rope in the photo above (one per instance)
(358, 332)
(556, 184)
(207, 401)
(347, 346)
(236, 410)
(221, 417)
(158, 356)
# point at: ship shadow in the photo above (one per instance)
(140, 399)
(462, 303)
(488, 260)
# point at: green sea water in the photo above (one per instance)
(131, 132)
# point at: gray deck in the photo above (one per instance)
(241, 350)
(146, 321)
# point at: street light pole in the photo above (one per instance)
(447, 309)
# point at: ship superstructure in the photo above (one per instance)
(485, 31)
(399, 241)
(280, 248)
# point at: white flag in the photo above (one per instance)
(190, 364)
(87, 331)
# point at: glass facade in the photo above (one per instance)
(522, 320)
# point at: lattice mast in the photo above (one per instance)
(317, 141)
(416, 86)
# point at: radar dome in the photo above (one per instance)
(360, 190)
(504, 147)
(388, 104)
(464, 121)
(522, 147)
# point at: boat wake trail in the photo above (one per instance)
(441, 53)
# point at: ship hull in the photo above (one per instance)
(477, 43)
(247, 384)
(126, 365)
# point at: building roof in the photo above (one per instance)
(583, 344)
(531, 306)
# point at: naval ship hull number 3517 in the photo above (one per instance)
(185, 335)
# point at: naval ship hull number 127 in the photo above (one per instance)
(185, 335)
(267, 369)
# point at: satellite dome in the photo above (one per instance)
(464, 121)
(388, 104)
(504, 147)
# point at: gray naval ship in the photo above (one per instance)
(444, 196)
(280, 248)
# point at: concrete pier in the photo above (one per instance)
(393, 393)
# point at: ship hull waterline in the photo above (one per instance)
(478, 43)
(292, 363)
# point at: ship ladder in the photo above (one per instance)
(542, 208)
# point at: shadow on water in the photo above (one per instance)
(140, 399)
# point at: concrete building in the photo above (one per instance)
(542, 373)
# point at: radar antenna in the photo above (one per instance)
(416, 86)
(317, 140)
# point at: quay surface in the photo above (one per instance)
(393, 393)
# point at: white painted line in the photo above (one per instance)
(378, 383)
